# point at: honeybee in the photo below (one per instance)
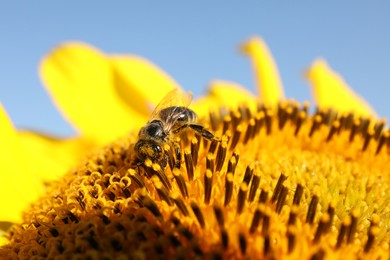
(169, 118)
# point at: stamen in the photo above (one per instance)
(316, 124)
(343, 231)
(372, 232)
(163, 193)
(331, 212)
(136, 178)
(180, 182)
(219, 216)
(224, 238)
(254, 186)
(151, 206)
(294, 111)
(175, 219)
(268, 121)
(367, 139)
(249, 130)
(354, 129)
(259, 122)
(214, 120)
(256, 220)
(228, 188)
(241, 197)
(185, 232)
(104, 219)
(352, 228)
(236, 118)
(161, 175)
(319, 255)
(382, 139)
(175, 242)
(180, 204)
(80, 200)
(305, 107)
(248, 173)
(329, 117)
(226, 123)
(278, 187)
(334, 129)
(242, 242)
(221, 155)
(282, 115)
(281, 199)
(365, 126)
(232, 164)
(267, 245)
(208, 184)
(300, 119)
(265, 227)
(291, 238)
(378, 128)
(171, 158)
(322, 227)
(73, 217)
(236, 137)
(194, 151)
(189, 164)
(298, 194)
(210, 165)
(293, 215)
(264, 195)
(245, 112)
(312, 209)
(198, 213)
(213, 146)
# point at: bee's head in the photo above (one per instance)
(149, 149)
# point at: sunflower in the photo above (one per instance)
(279, 181)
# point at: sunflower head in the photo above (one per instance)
(277, 181)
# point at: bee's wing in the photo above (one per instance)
(175, 97)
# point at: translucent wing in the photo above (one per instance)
(175, 97)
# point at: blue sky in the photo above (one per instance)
(195, 43)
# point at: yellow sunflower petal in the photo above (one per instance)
(266, 73)
(19, 185)
(80, 80)
(137, 77)
(222, 93)
(331, 91)
(52, 157)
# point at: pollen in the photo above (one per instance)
(278, 183)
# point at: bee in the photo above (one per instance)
(168, 120)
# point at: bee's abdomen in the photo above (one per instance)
(179, 113)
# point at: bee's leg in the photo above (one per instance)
(203, 132)
(199, 129)
(178, 155)
(164, 161)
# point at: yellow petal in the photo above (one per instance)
(331, 91)
(52, 157)
(266, 73)
(81, 82)
(223, 93)
(137, 77)
(19, 186)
